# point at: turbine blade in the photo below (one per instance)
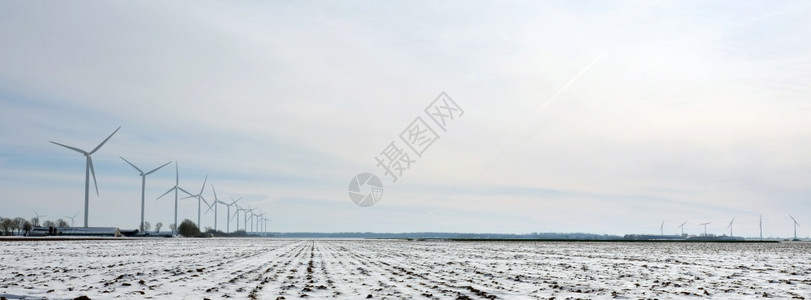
(105, 140)
(209, 207)
(190, 195)
(167, 192)
(204, 185)
(93, 171)
(71, 148)
(137, 168)
(177, 176)
(215, 193)
(158, 168)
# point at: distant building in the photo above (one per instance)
(75, 231)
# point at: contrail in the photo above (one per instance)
(568, 83)
(541, 108)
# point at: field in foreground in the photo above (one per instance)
(390, 269)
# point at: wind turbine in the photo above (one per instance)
(761, 227)
(730, 226)
(246, 211)
(261, 223)
(200, 198)
(795, 226)
(71, 218)
(265, 222)
(175, 188)
(254, 220)
(662, 228)
(143, 185)
(236, 213)
(88, 170)
(214, 204)
(228, 214)
(705, 227)
(682, 227)
(38, 216)
(251, 220)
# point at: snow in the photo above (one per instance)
(399, 269)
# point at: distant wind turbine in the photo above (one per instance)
(262, 225)
(88, 170)
(795, 226)
(255, 220)
(246, 211)
(730, 226)
(662, 228)
(236, 214)
(175, 188)
(214, 205)
(682, 227)
(143, 185)
(705, 227)
(265, 222)
(72, 219)
(38, 216)
(228, 213)
(761, 227)
(200, 199)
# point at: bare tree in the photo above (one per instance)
(6, 225)
(35, 221)
(18, 224)
(27, 227)
(173, 227)
(158, 227)
(48, 223)
(147, 226)
(62, 223)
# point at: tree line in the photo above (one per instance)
(10, 226)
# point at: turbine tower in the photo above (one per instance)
(200, 198)
(761, 227)
(795, 226)
(175, 188)
(88, 170)
(730, 226)
(682, 227)
(143, 186)
(705, 227)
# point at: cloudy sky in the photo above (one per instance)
(603, 117)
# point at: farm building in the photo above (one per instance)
(75, 231)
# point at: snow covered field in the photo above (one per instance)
(383, 269)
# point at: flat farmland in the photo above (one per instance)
(399, 269)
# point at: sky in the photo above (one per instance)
(607, 117)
